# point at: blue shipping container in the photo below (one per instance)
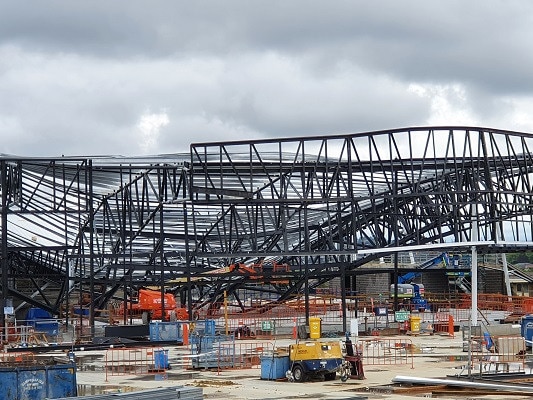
(274, 367)
(38, 382)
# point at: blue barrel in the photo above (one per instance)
(526, 328)
(161, 359)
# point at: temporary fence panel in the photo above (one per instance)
(443, 323)
(248, 355)
(460, 314)
(29, 335)
(166, 331)
(511, 349)
(227, 354)
(208, 351)
(386, 351)
(135, 361)
(329, 307)
(498, 354)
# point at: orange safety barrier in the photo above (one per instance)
(284, 319)
(496, 302)
(528, 305)
(459, 314)
(327, 302)
(443, 323)
(185, 334)
(17, 359)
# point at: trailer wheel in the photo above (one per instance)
(298, 373)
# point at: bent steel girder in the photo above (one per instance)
(137, 233)
(97, 222)
(332, 203)
(41, 212)
(325, 206)
(43, 287)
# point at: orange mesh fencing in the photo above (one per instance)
(17, 359)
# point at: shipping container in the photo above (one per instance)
(38, 382)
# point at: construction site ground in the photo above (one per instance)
(434, 356)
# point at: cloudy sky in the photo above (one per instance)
(150, 77)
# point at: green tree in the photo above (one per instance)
(523, 257)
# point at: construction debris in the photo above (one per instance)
(496, 386)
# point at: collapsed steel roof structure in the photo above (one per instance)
(320, 207)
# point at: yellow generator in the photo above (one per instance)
(315, 359)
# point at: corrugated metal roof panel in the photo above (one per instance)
(174, 392)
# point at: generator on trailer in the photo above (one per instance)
(312, 359)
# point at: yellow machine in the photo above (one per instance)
(315, 359)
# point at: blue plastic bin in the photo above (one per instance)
(161, 359)
(209, 327)
(274, 367)
(526, 329)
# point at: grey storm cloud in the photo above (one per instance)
(131, 77)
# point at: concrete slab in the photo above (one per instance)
(434, 356)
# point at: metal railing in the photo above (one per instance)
(492, 354)
(386, 351)
(135, 361)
